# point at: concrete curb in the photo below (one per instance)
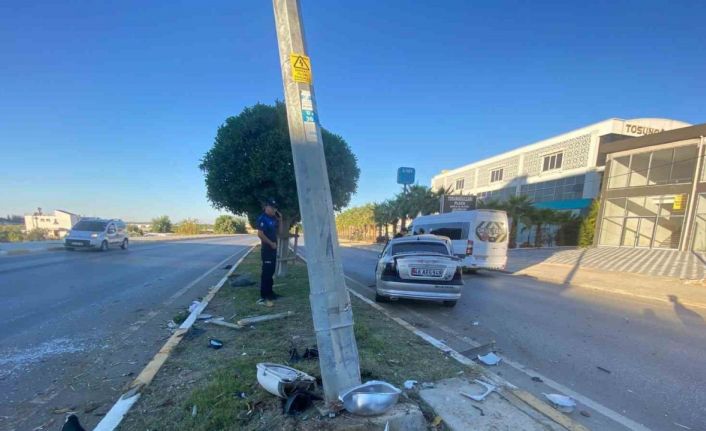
(122, 406)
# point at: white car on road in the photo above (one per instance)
(97, 233)
(419, 267)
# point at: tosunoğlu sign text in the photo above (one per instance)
(641, 130)
(451, 203)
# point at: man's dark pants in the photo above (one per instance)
(269, 261)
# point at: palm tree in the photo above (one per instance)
(516, 208)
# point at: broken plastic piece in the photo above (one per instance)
(488, 389)
(204, 316)
(490, 359)
(215, 344)
(561, 402)
(194, 305)
(409, 384)
(281, 380)
(311, 353)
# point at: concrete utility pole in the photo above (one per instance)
(330, 303)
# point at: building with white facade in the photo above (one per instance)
(562, 172)
(56, 225)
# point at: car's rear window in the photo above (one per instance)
(450, 230)
(419, 247)
(90, 226)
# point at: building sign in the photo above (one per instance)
(405, 175)
(451, 203)
(679, 203)
(638, 130)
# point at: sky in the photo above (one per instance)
(106, 108)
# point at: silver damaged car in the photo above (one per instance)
(419, 267)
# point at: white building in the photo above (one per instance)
(57, 225)
(562, 172)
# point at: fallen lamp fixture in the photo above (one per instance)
(371, 398)
(488, 389)
(281, 380)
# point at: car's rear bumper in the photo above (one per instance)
(497, 263)
(428, 292)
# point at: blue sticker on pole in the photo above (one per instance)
(405, 175)
(308, 116)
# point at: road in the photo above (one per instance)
(76, 327)
(651, 354)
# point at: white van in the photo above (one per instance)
(479, 237)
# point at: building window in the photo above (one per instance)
(555, 190)
(496, 175)
(668, 166)
(699, 243)
(459, 184)
(552, 162)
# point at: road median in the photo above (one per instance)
(200, 388)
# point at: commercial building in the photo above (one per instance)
(562, 172)
(654, 192)
(56, 225)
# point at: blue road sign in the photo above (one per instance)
(405, 176)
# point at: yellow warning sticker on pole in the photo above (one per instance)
(679, 203)
(301, 68)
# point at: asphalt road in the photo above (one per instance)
(77, 326)
(651, 354)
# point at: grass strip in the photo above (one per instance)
(205, 389)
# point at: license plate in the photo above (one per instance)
(427, 272)
(76, 243)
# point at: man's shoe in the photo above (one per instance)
(265, 302)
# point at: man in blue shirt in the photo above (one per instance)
(267, 225)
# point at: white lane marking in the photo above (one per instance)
(121, 407)
(605, 411)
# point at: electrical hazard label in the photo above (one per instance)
(301, 68)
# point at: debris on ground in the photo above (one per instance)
(311, 353)
(475, 323)
(72, 424)
(489, 359)
(229, 266)
(264, 318)
(214, 343)
(427, 385)
(63, 410)
(194, 305)
(371, 398)
(172, 325)
(681, 426)
(220, 322)
(585, 413)
(409, 384)
(537, 379)
(299, 401)
(281, 380)
(194, 411)
(294, 355)
(561, 402)
(204, 316)
(605, 370)
(436, 422)
(487, 389)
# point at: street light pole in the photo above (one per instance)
(330, 303)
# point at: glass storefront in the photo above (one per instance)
(668, 166)
(643, 221)
(699, 243)
(555, 190)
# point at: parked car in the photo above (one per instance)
(97, 233)
(479, 237)
(419, 267)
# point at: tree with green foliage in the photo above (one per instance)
(134, 230)
(251, 161)
(587, 229)
(37, 234)
(161, 224)
(189, 226)
(224, 224)
(357, 222)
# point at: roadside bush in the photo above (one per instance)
(11, 234)
(229, 224)
(37, 235)
(188, 226)
(241, 226)
(161, 224)
(588, 225)
(134, 230)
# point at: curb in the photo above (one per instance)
(122, 406)
(525, 397)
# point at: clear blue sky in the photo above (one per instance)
(107, 107)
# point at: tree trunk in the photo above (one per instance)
(387, 230)
(403, 223)
(513, 233)
(538, 235)
(394, 228)
(283, 248)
